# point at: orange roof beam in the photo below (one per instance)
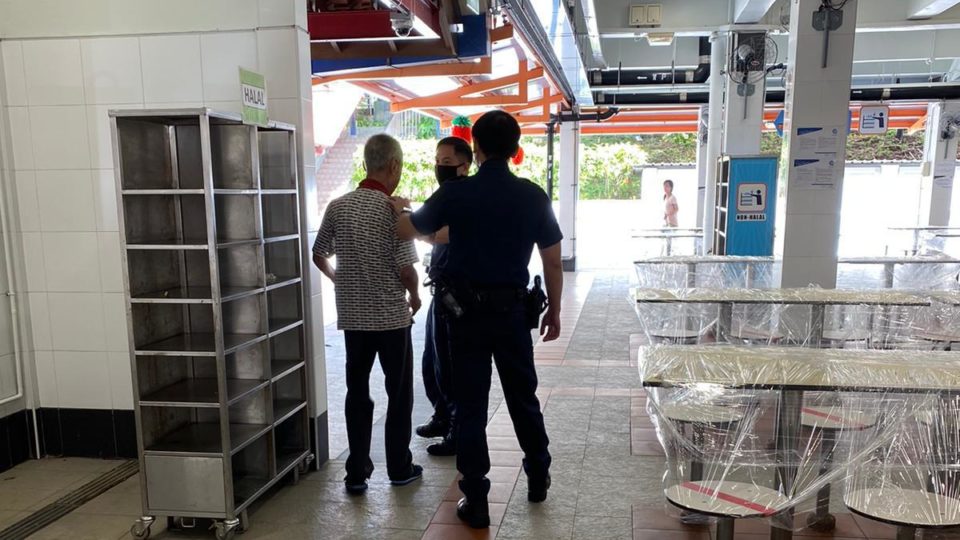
(918, 126)
(458, 97)
(483, 67)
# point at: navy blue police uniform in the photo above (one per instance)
(437, 374)
(495, 220)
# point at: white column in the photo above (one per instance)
(702, 162)
(939, 163)
(718, 53)
(814, 148)
(569, 182)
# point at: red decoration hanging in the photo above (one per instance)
(518, 157)
(461, 128)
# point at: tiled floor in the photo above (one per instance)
(607, 463)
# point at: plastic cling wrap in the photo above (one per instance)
(789, 434)
(809, 317)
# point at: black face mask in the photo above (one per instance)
(446, 172)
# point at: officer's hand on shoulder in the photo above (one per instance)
(400, 204)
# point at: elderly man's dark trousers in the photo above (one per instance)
(396, 359)
(505, 337)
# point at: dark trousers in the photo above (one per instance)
(437, 372)
(396, 359)
(474, 339)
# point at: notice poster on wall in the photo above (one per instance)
(815, 164)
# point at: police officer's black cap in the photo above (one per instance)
(498, 134)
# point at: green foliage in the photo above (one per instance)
(427, 127)
(611, 166)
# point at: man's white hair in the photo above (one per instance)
(379, 151)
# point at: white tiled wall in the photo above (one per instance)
(58, 92)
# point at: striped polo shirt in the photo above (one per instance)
(360, 228)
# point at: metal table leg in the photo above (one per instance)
(725, 321)
(889, 270)
(816, 325)
(787, 436)
(822, 520)
(691, 275)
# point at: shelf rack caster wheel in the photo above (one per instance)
(141, 529)
(227, 529)
(244, 522)
(304, 466)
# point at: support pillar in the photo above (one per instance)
(569, 182)
(815, 143)
(939, 163)
(702, 162)
(718, 53)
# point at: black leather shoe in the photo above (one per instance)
(446, 447)
(474, 514)
(537, 489)
(433, 428)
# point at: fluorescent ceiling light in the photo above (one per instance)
(659, 39)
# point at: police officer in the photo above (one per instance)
(453, 161)
(495, 219)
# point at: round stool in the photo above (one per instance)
(843, 336)
(699, 416)
(677, 336)
(908, 509)
(830, 420)
(749, 334)
(726, 500)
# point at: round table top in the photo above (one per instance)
(726, 498)
(909, 507)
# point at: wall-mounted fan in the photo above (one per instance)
(750, 55)
(949, 128)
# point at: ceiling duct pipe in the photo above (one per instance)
(629, 77)
(923, 92)
(592, 117)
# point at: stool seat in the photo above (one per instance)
(836, 418)
(698, 413)
(845, 335)
(939, 337)
(758, 334)
(726, 498)
(905, 507)
(675, 333)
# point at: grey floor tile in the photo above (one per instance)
(602, 528)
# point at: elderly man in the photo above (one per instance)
(377, 295)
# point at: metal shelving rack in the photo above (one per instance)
(209, 215)
(721, 209)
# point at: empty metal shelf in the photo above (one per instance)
(201, 393)
(285, 408)
(170, 191)
(281, 238)
(204, 439)
(279, 326)
(198, 344)
(169, 244)
(193, 295)
(282, 368)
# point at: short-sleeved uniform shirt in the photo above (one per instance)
(360, 228)
(495, 220)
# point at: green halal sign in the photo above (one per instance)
(254, 92)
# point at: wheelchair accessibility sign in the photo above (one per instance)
(751, 202)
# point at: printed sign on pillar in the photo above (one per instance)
(874, 120)
(253, 88)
